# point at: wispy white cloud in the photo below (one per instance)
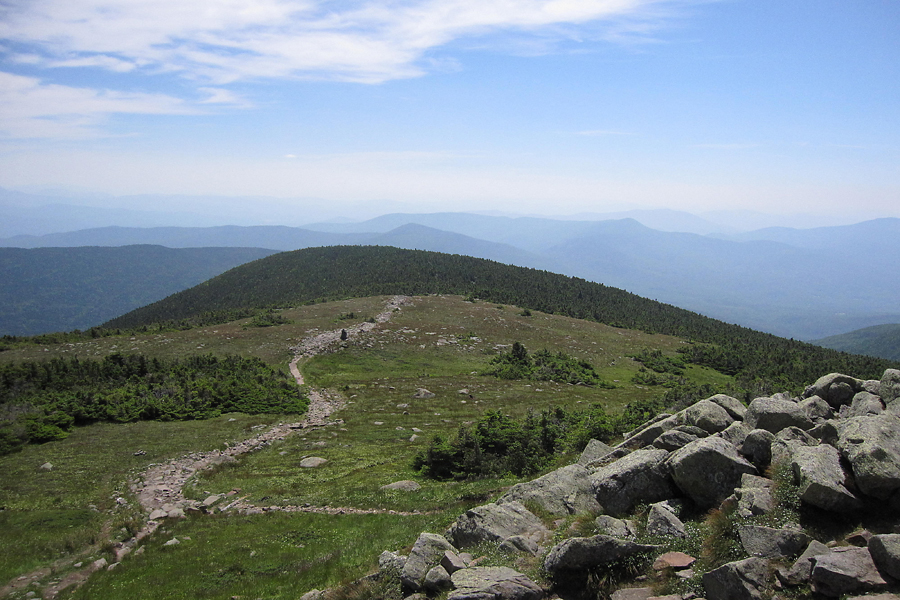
(34, 109)
(221, 41)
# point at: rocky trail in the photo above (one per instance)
(160, 488)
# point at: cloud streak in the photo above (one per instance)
(222, 41)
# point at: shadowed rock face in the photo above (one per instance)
(641, 476)
(708, 470)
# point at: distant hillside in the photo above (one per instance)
(61, 289)
(881, 340)
(317, 274)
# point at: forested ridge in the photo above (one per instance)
(337, 272)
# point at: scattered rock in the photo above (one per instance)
(641, 476)
(885, 551)
(565, 491)
(46, 467)
(577, 554)
(493, 583)
(846, 570)
(708, 470)
(822, 480)
(673, 560)
(312, 462)
(739, 580)
(767, 542)
(407, 485)
(423, 393)
(426, 552)
(774, 415)
(595, 450)
(495, 523)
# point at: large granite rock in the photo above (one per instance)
(594, 451)
(865, 404)
(836, 389)
(493, 583)
(495, 523)
(708, 415)
(674, 439)
(734, 407)
(889, 386)
(885, 550)
(822, 480)
(757, 447)
(662, 522)
(708, 470)
(816, 409)
(773, 414)
(565, 491)
(577, 554)
(653, 430)
(846, 570)
(426, 553)
(641, 476)
(872, 446)
(800, 571)
(768, 542)
(740, 580)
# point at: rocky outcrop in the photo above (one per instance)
(708, 470)
(577, 554)
(493, 583)
(565, 491)
(641, 476)
(496, 523)
(426, 553)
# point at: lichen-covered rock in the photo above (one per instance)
(437, 580)
(754, 497)
(426, 553)
(641, 476)
(734, 407)
(652, 431)
(740, 580)
(708, 470)
(708, 415)
(889, 386)
(736, 433)
(816, 409)
(773, 415)
(595, 450)
(800, 571)
(822, 480)
(493, 583)
(577, 554)
(617, 528)
(768, 542)
(836, 389)
(786, 441)
(565, 491)
(757, 447)
(495, 523)
(674, 439)
(663, 523)
(864, 404)
(872, 446)
(846, 570)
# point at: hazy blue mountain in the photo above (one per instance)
(882, 341)
(61, 289)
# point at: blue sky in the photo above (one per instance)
(531, 106)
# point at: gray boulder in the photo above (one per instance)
(708, 415)
(736, 433)
(493, 583)
(495, 523)
(437, 580)
(565, 491)
(740, 580)
(836, 389)
(708, 470)
(426, 552)
(800, 571)
(889, 386)
(754, 497)
(662, 522)
(786, 441)
(757, 447)
(872, 446)
(641, 476)
(768, 542)
(816, 409)
(652, 431)
(312, 462)
(577, 554)
(865, 404)
(407, 485)
(774, 415)
(674, 439)
(617, 528)
(734, 407)
(885, 551)
(518, 543)
(595, 450)
(390, 564)
(452, 562)
(846, 570)
(822, 480)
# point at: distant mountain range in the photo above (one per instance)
(806, 284)
(61, 289)
(881, 340)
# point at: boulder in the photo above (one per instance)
(518, 543)
(646, 435)
(437, 580)
(407, 485)
(739, 580)
(595, 450)
(495, 523)
(578, 554)
(816, 409)
(786, 441)
(774, 415)
(565, 491)
(885, 551)
(617, 528)
(822, 480)
(754, 497)
(641, 476)
(390, 564)
(641, 593)
(452, 562)
(768, 542)
(493, 583)
(734, 406)
(663, 523)
(800, 571)
(312, 462)
(846, 570)
(426, 552)
(889, 386)
(673, 440)
(872, 446)
(736, 433)
(757, 447)
(708, 470)
(865, 404)
(836, 389)
(673, 560)
(423, 393)
(708, 415)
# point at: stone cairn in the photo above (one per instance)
(839, 445)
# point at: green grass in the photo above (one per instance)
(440, 343)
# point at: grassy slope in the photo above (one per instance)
(363, 456)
